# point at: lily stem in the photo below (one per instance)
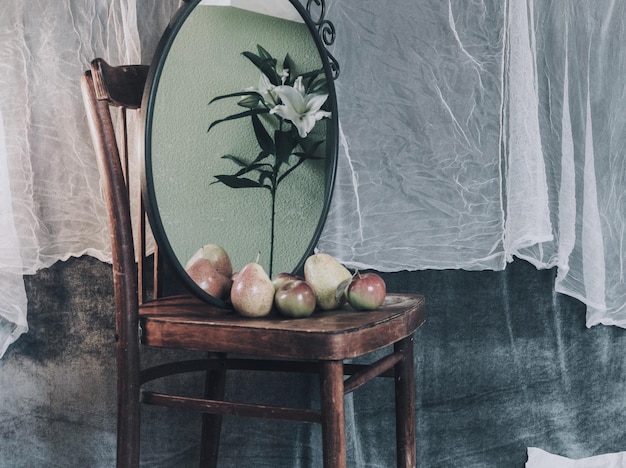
(273, 222)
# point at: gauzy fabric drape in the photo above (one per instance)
(476, 132)
(472, 133)
(50, 202)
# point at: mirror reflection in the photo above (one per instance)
(238, 151)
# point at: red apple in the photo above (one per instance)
(366, 291)
(295, 298)
(204, 274)
(282, 278)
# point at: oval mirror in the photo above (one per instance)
(240, 128)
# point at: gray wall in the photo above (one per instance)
(502, 363)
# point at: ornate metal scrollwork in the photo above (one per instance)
(325, 29)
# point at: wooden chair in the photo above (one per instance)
(318, 344)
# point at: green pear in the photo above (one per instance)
(253, 292)
(326, 276)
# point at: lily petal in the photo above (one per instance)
(301, 109)
(315, 101)
(286, 112)
(292, 98)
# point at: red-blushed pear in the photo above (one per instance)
(326, 275)
(204, 274)
(282, 278)
(216, 255)
(295, 299)
(252, 293)
(366, 291)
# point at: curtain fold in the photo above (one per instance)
(13, 308)
(50, 199)
(474, 133)
(580, 80)
(419, 182)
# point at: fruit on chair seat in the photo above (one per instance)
(325, 275)
(204, 274)
(252, 293)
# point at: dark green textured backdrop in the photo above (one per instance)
(502, 363)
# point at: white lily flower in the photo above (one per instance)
(267, 91)
(283, 73)
(301, 109)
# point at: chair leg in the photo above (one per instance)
(214, 384)
(128, 406)
(405, 405)
(333, 414)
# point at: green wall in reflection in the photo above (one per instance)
(205, 61)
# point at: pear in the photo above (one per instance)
(215, 254)
(328, 279)
(253, 292)
(204, 274)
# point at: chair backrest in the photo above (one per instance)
(105, 88)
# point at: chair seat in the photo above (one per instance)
(189, 323)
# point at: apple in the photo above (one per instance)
(216, 255)
(295, 298)
(204, 274)
(282, 278)
(366, 291)
(252, 293)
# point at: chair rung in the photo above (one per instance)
(367, 373)
(172, 368)
(197, 365)
(231, 408)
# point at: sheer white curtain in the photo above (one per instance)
(580, 81)
(476, 132)
(473, 132)
(50, 202)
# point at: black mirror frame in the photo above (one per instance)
(323, 33)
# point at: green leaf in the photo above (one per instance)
(264, 139)
(245, 166)
(261, 156)
(266, 176)
(239, 93)
(285, 143)
(262, 52)
(235, 159)
(298, 163)
(309, 146)
(267, 66)
(248, 113)
(315, 82)
(236, 182)
(250, 168)
(341, 289)
(302, 155)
